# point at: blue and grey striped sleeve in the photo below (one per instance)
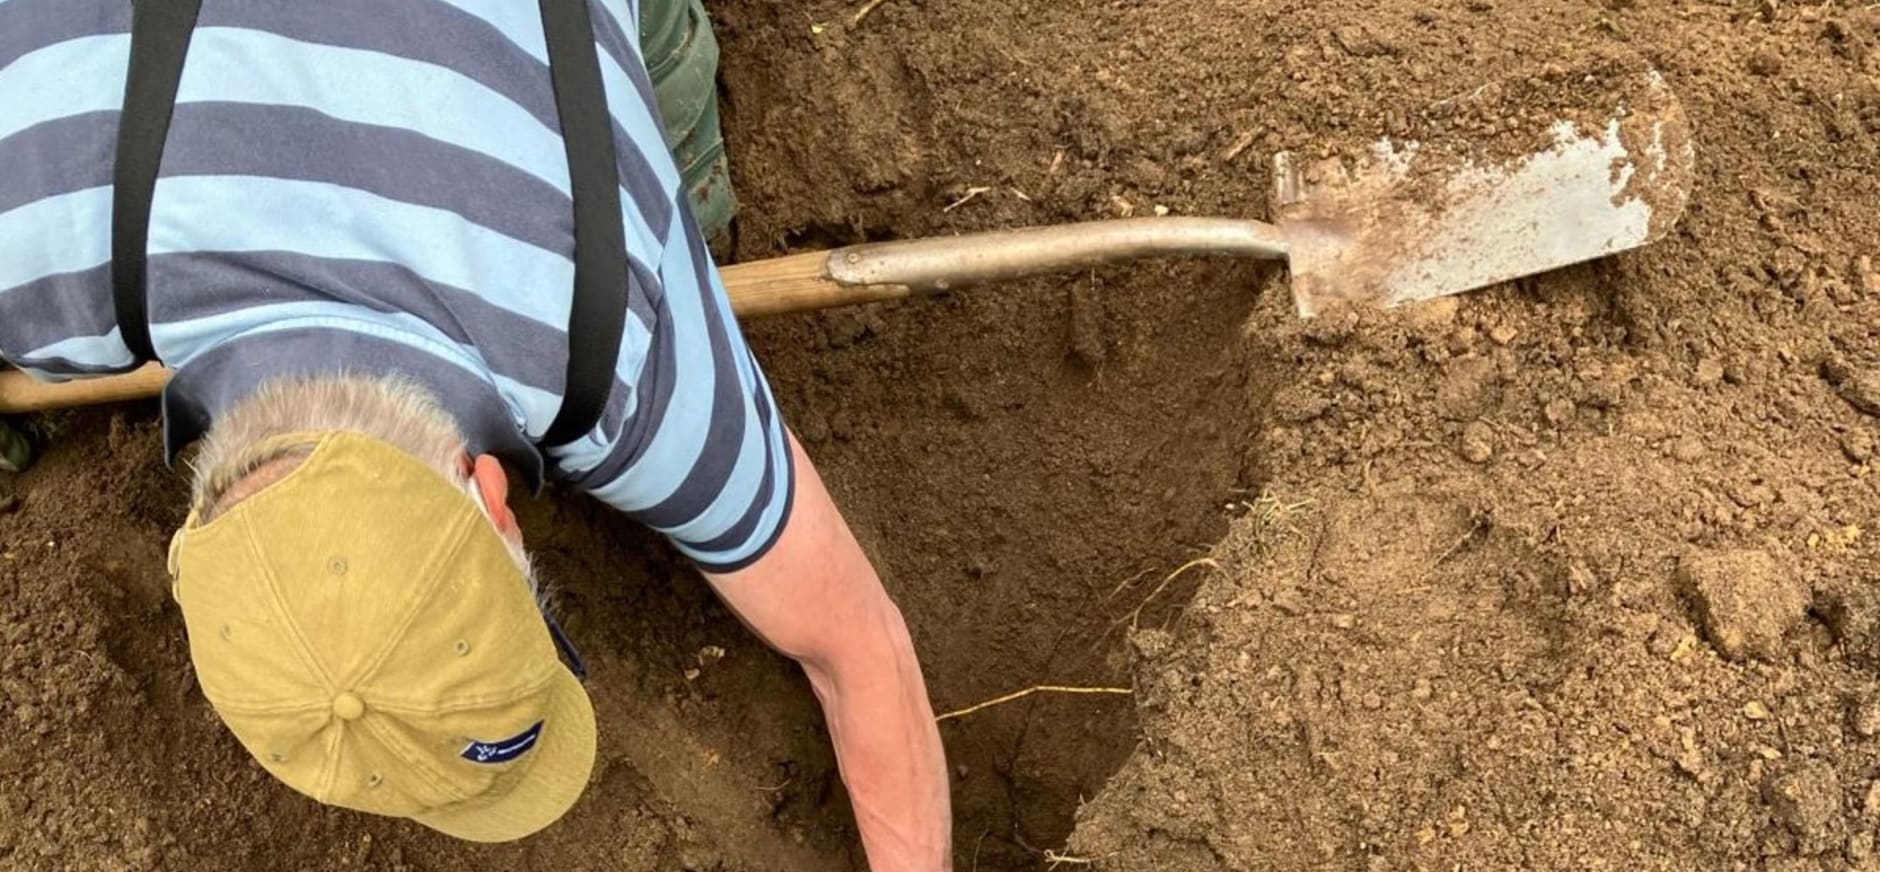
(702, 456)
(692, 443)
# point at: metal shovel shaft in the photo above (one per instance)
(928, 265)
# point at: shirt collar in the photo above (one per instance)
(211, 382)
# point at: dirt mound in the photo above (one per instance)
(1577, 573)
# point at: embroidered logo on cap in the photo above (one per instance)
(505, 750)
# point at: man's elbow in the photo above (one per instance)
(872, 639)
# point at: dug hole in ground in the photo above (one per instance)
(1573, 573)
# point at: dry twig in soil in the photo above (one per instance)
(867, 9)
(1042, 688)
(970, 194)
(1132, 617)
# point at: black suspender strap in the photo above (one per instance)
(599, 312)
(160, 35)
(160, 32)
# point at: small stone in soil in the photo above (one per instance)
(1745, 601)
(1864, 717)
(1709, 371)
(1857, 446)
(1852, 613)
(1361, 42)
(1755, 711)
(1688, 449)
(1478, 443)
(1502, 334)
(1859, 848)
(1580, 578)
(1863, 392)
(842, 425)
(1559, 412)
(1664, 640)
(1461, 340)
(1690, 759)
(813, 427)
(1469, 390)
(1751, 495)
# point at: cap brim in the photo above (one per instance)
(543, 790)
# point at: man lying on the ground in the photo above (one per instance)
(360, 263)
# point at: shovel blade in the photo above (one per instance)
(1408, 224)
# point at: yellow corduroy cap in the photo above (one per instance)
(362, 629)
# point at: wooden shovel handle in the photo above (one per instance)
(858, 274)
(780, 286)
(20, 392)
(798, 283)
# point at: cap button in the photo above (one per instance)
(348, 707)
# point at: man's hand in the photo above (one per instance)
(815, 598)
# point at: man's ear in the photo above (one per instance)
(493, 483)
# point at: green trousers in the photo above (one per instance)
(15, 452)
(682, 59)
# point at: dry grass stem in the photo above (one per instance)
(1133, 616)
(1125, 583)
(970, 194)
(1240, 145)
(867, 9)
(1042, 688)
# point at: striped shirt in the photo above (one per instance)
(380, 187)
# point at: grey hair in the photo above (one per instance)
(397, 411)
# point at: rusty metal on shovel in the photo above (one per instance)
(1406, 223)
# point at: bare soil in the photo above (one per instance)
(1570, 573)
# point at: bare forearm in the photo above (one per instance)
(816, 598)
(889, 751)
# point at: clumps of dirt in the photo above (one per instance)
(1744, 600)
(1401, 679)
(1807, 800)
(1860, 387)
(1577, 571)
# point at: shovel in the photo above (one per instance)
(1403, 224)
